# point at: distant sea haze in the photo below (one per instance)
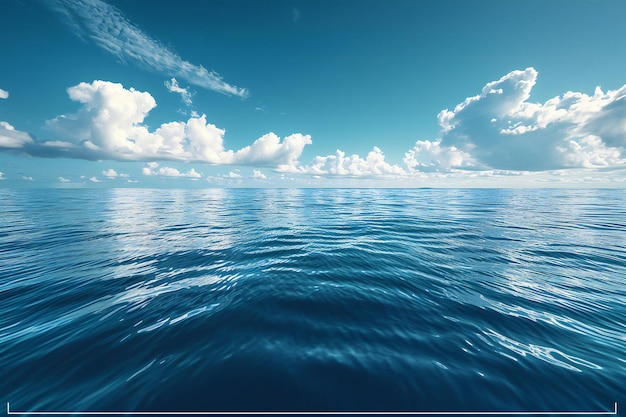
(313, 300)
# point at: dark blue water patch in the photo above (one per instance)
(312, 299)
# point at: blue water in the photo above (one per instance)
(307, 299)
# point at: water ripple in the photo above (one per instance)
(312, 299)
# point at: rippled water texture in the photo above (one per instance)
(312, 299)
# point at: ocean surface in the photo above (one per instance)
(313, 299)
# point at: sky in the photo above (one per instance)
(312, 93)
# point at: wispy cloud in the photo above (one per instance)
(173, 87)
(62, 179)
(106, 26)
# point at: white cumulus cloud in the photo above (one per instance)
(2, 176)
(11, 138)
(258, 175)
(61, 179)
(94, 179)
(153, 169)
(500, 128)
(111, 173)
(110, 126)
(4, 93)
(431, 156)
(106, 26)
(268, 150)
(354, 165)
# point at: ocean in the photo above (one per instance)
(313, 299)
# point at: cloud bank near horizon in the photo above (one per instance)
(498, 129)
(105, 25)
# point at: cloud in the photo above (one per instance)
(109, 121)
(151, 170)
(61, 179)
(109, 125)
(25, 178)
(339, 164)
(500, 128)
(11, 138)
(4, 93)
(497, 130)
(94, 179)
(258, 175)
(111, 173)
(106, 26)
(269, 151)
(431, 156)
(173, 87)
(232, 174)
(2, 176)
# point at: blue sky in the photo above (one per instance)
(312, 93)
